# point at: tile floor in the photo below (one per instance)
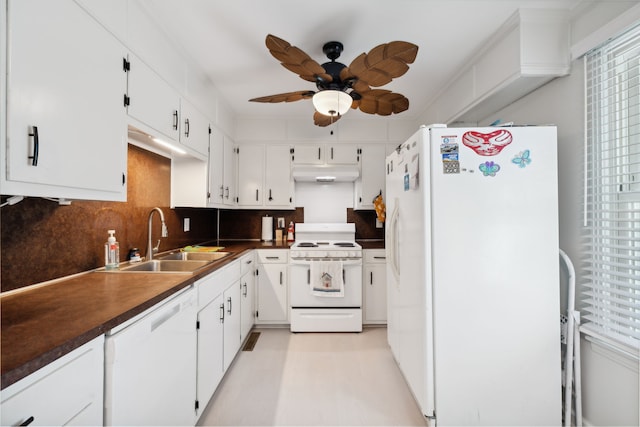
(314, 379)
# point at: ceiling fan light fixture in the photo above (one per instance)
(332, 102)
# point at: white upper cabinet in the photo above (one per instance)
(222, 171)
(278, 181)
(309, 154)
(264, 177)
(250, 175)
(342, 154)
(65, 117)
(371, 181)
(152, 101)
(194, 128)
(320, 154)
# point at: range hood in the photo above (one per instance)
(325, 173)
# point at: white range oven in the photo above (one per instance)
(326, 279)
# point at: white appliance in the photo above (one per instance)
(326, 278)
(150, 366)
(473, 274)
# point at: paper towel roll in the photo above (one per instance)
(267, 228)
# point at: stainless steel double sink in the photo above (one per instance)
(175, 262)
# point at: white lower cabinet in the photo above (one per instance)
(150, 375)
(374, 283)
(231, 344)
(68, 391)
(210, 355)
(272, 286)
(219, 313)
(247, 294)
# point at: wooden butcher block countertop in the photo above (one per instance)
(41, 323)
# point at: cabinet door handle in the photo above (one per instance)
(281, 277)
(379, 257)
(36, 146)
(226, 193)
(249, 261)
(273, 257)
(308, 276)
(230, 305)
(186, 128)
(257, 190)
(331, 153)
(270, 198)
(27, 421)
(221, 313)
(319, 153)
(245, 290)
(175, 119)
(344, 279)
(371, 278)
(222, 191)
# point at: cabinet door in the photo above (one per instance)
(66, 121)
(247, 309)
(194, 128)
(69, 391)
(152, 101)
(343, 154)
(308, 154)
(232, 305)
(279, 187)
(229, 171)
(272, 293)
(216, 172)
(372, 176)
(250, 175)
(375, 293)
(210, 354)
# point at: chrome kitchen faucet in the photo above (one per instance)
(150, 249)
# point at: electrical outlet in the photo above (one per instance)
(187, 224)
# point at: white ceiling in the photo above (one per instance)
(227, 39)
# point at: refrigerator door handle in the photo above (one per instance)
(393, 240)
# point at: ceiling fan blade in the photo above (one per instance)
(285, 97)
(295, 60)
(382, 64)
(322, 120)
(382, 102)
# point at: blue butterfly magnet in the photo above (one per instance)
(522, 159)
(489, 168)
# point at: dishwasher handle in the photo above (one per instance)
(165, 317)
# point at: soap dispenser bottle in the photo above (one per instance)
(111, 252)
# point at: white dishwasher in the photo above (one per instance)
(150, 365)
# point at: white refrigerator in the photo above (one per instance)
(473, 273)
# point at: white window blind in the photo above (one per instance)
(611, 282)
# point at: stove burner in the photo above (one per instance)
(307, 245)
(345, 244)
